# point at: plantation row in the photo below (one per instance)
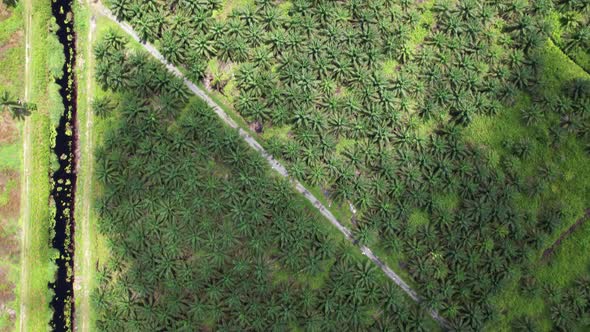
(374, 97)
(202, 237)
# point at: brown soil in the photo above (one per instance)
(6, 289)
(207, 80)
(9, 244)
(13, 41)
(548, 253)
(8, 130)
(225, 66)
(4, 11)
(9, 212)
(256, 126)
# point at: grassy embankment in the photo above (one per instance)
(37, 223)
(91, 248)
(570, 189)
(82, 279)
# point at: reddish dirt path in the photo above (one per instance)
(548, 253)
(26, 184)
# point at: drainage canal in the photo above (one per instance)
(64, 178)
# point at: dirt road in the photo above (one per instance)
(26, 184)
(84, 279)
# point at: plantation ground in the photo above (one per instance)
(567, 264)
(569, 21)
(224, 171)
(562, 270)
(520, 164)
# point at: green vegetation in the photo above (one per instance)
(200, 233)
(91, 247)
(11, 53)
(458, 130)
(37, 265)
(10, 157)
(17, 108)
(570, 20)
(85, 253)
(534, 292)
(12, 50)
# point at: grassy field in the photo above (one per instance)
(11, 80)
(572, 189)
(571, 161)
(580, 56)
(12, 49)
(564, 267)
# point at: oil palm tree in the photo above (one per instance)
(17, 108)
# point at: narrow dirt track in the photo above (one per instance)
(568, 56)
(84, 277)
(549, 252)
(25, 190)
(273, 163)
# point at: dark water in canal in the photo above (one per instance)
(64, 179)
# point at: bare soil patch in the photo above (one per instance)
(4, 11)
(9, 241)
(256, 127)
(13, 41)
(548, 253)
(8, 129)
(207, 80)
(6, 289)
